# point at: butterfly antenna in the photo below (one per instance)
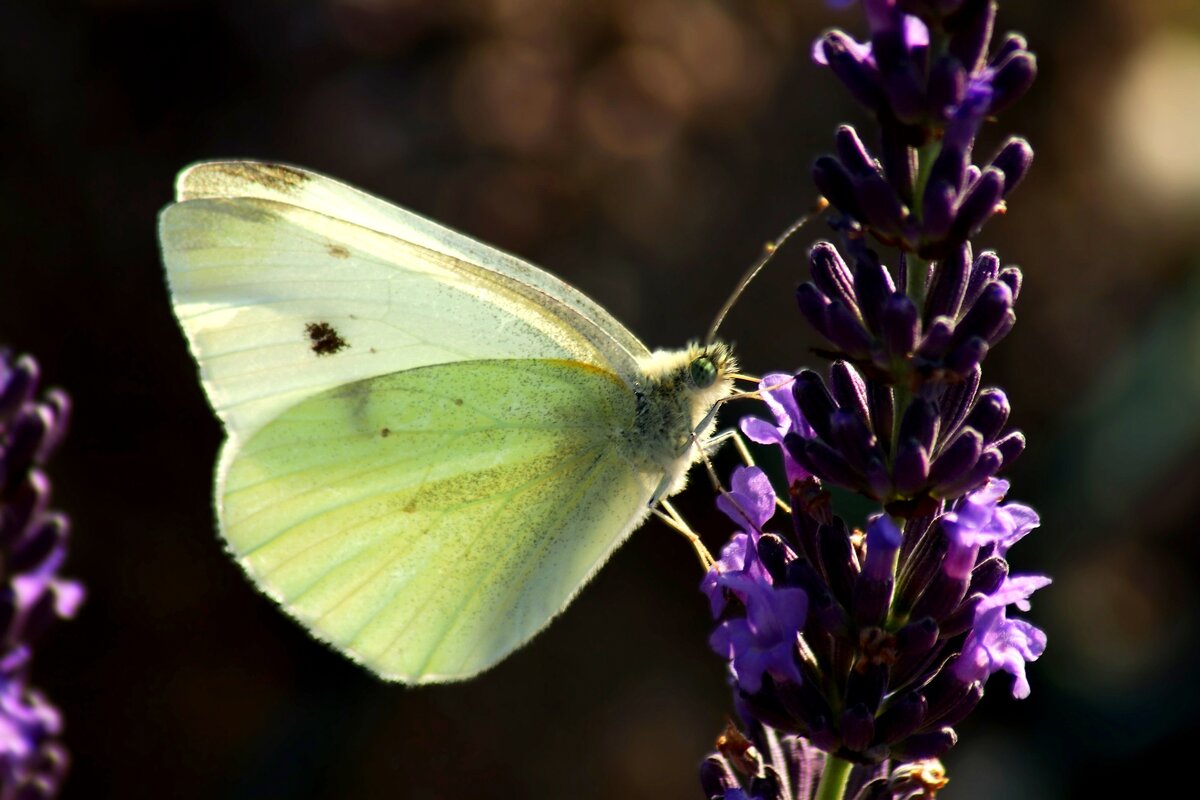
(769, 251)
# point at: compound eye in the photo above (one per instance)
(703, 372)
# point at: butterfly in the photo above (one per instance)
(431, 445)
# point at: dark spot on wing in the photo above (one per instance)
(458, 401)
(385, 432)
(337, 251)
(324, 339)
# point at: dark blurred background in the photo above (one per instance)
(644, 150)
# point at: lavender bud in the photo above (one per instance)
(939, 335)
(857, 726)
(1011, 277)
(901, 719)
(983, 271)
(946, 691)
(847, 332)
(881, 208)
(1010, 447)
(988, 575)
(859, 76)
(873, 589)
(774, 555)
(17, 383)
(989, 414)
(1014, 159)
(853, 152)
(848, 388)
(949, 284)
(835, 184)
(913, 645)
(814, 306)
(957, 712)
(961, 619)
(831, 275)
(970, 40)
(46, 536)
(957, 401)
(937, 214)
(899, 162)
(910, 472)
(838, 560)
(989, 464)
(1012, 43)
(872, 285)
(882, 402)
(24, 502)
(1014, 75)
(900, 326)
(941, 596)
(920, 423)
(826, 463)
(24, 438)
(854, 440)
(967, 356)
(957, 458)
(815, 402)
(979, 204)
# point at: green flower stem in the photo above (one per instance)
(833, 779)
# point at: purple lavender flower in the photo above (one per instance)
(32, 548)
(776, 391)
(872, 645)
(997, 643)
(763, 642)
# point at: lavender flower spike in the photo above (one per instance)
(32, 547)
(869, 646)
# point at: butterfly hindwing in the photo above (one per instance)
(427, 527)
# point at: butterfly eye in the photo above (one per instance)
(703, 372)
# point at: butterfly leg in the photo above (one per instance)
(739, 442)
(668, 514)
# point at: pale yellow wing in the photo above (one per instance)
(430, 521)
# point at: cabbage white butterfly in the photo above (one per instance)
(431, 445)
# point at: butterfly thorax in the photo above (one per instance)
(677, 391)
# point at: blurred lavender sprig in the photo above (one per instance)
(33, 545)
(872, 645)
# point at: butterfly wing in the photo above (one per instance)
(427, 528)
(316, 192)
(431, 551)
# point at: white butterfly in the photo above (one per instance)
(432, 445)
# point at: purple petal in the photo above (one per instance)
(751, 500)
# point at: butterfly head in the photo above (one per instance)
(687, 383)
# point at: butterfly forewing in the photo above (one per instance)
(331, 198)
(280, 302)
